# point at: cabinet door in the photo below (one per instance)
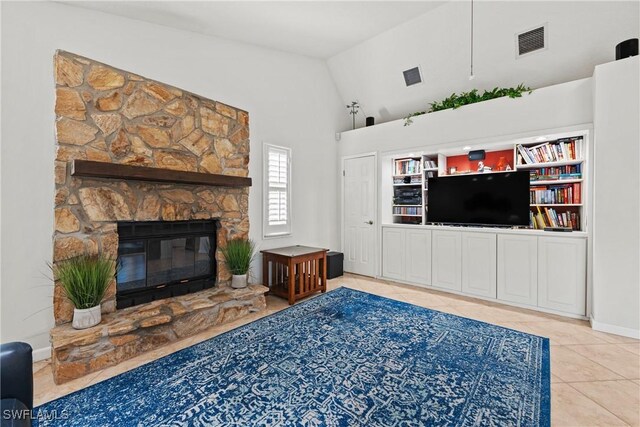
(446, 265)
(418, 256)
(393, 248)
(518, 269)
(562, 264)
(479, 264)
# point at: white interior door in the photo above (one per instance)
(359, 215)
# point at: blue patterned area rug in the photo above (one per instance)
(345, 358)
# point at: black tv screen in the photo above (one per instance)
(500, 199)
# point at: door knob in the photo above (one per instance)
(370, 222)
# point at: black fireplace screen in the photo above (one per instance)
(163, 259)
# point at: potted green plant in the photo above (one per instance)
(238, 254)
(84, 280)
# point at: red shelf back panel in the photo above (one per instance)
(462, 163)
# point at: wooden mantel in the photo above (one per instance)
(88, 168)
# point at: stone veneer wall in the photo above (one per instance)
(109, 115)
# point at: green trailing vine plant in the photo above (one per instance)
(458, 100)
(408, 120)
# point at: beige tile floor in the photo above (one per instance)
(595, 377)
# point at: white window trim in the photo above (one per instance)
(274, 231)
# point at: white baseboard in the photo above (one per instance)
(616, 330)
(468, 295)
(41, 353)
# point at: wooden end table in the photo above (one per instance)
(294, 272)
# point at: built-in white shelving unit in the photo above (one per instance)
(410, 186)
(526, 267)
(558, 185)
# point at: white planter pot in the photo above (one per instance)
(239, 281)
(86, 318)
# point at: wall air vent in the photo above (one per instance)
(412, 76)
(531, 41)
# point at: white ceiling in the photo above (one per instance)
(318, 29)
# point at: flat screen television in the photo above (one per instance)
(493, 199)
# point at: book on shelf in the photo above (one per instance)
(407, 166)
(556, 173)
(430, 164)
(549, 217)
(562, 150)
(407, 210)
(524, 156)
(555, 194)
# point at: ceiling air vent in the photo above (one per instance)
(412, 76)
(531, 41)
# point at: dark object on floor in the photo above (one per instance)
(334, 264)
(626, 49)
(371, 121)
(16, 384)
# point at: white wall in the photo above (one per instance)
(616, 234)
(291, 99)
(581, 35)
(553, 107)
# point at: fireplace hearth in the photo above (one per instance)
(163, 259)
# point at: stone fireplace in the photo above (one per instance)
(114, 117)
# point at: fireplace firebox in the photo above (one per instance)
(162, 259)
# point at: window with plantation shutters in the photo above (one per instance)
(277, 191)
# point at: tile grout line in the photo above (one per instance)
(625, 349)
(606, 409)
(596, 362)
(598, 381)
(622, 377)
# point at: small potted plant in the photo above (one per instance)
(84, 280)
(238, 255)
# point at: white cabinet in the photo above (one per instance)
(393, 242)
(418, 256)
(518, 269)
(562, 274)
(446, 260)
(406, 254)
(479, 264)
(537, 270)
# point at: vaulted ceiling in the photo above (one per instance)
(368, 44)
(318, 29)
